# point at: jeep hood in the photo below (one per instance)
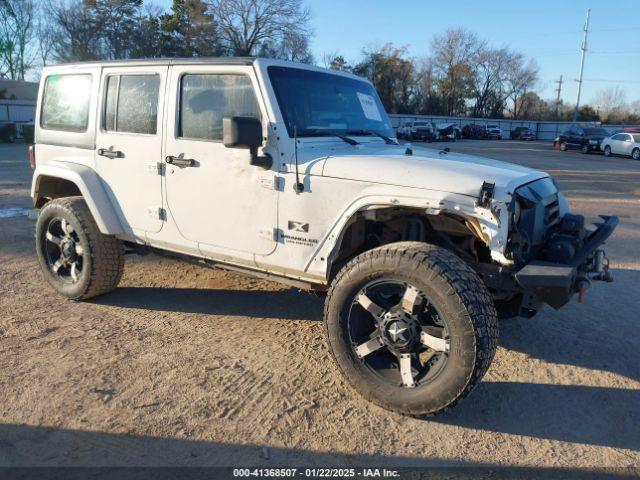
(427, 168)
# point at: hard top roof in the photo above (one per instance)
(262, 61)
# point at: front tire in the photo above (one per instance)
(563, 146)
(584, 148)
(411, 327)
(75, 257)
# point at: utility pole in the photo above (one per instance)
(558, 101)
(583, 49)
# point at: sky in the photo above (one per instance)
(548, 31)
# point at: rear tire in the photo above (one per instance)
(584, 148)
(447, 286)
(563, 146)
(75, 257)
(635, 154)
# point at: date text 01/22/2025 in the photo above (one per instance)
(315, 472)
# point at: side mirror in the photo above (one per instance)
(245, 132)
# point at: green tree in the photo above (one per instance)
(392, 75)
(189, 30)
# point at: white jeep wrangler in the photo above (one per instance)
(291, 172)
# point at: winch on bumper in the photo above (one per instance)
(554, 255)
(555, 283)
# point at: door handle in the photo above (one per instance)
(180, 162)
(110, 153)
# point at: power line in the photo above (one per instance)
(608, 80)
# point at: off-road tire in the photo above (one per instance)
(635, 154)
(458, 293)
(103, 254)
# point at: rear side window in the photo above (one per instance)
(65, 104)
(206, 98)
(131, 104)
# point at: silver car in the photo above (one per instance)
(627, 144)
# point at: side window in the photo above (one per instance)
(627, 138)
(131, 104)
(618, 137)
(65, 105)
(206, 98)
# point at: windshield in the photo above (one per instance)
(596, 131)
(315, 101)
(420, 124)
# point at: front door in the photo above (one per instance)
(129, 144)
(214, 195)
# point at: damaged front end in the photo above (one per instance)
(554, 256)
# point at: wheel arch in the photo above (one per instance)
(57, 181)
(395, 221)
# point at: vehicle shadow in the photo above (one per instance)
(90, 452)
(600, 334)
(289, 304)
(569, 413)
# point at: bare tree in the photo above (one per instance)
(16, 34)
(246, 26)
(611, 104)
(76, 35)
(521, 78)
(489, 75)
(452, 58)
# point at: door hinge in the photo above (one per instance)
(269, 234)
(155, 168)
(157, 213)
(270, 182)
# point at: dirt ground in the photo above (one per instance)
(187, 366)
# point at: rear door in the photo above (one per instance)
(626, 145)
(129, 144)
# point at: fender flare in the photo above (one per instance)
(320, 260)
(91, 188)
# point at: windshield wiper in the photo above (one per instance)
(387, 140)
(326, 133)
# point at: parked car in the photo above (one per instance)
(522, 133)
(261, 167)
(585, 138)
(627, 144)
(27, 132)
(8, 132)
(494, 132)
(477, 132)
(446, 132)
(404, 130)
(422, 130)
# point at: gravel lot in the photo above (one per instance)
(187, 366)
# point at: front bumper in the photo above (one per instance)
(555, 283)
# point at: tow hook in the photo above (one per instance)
(601, 267)
(583, 285)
